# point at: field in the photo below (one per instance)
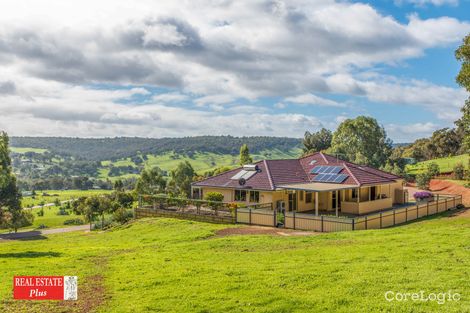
(201, 162)
(445, 164)
(50, 218)
(166, 265)
(25, 150)
(49, 196)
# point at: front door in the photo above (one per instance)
(292, 202)
(333, 199)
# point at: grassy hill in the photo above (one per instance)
(445, 164)
(166, 265)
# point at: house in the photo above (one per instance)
(318, 183)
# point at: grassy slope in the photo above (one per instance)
(445, 164)
(165, 265)
(58, 194)
(201, 162)
(24, 150)
(51, 219)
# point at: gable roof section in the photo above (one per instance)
(274, 173)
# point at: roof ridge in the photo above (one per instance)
(366, 168)
(346, 167)
(268, 172)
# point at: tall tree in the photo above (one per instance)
(151, 181)
(463, 79)
(245, 157)
(361, 140)
(181, 178)
(12, 214)
(318, 141)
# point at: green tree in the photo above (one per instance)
(363, 141)
(12, 214)
(181, 178)
(118, 185)
(433, 169)
(214, 200)
(318, 141)
(423, 180)
(463, 79)
(459, 171)
(150, 182)
(245, 157)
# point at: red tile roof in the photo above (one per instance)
(273, 173)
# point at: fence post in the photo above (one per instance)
(427, 208)
(321, 219)
(454, 202)
(236, 215)
(447, 207)
(293, 219)
(352, 224)
(394, 217)
(275, 218)
(380, 219)
(366, 221)
(250, 216)
(406, 214)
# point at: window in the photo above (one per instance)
(308, 197)
(197, 193)
(254, 196)
(301, 195)
(354, 194)
(240, 195)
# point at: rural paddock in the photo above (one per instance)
(259, 215)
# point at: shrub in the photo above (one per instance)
(433, 169)
(421, 195)
(42, 226)
(459, 171)
(75, 221)
(422, 180)
(460, 206)
(40, 212)
(122, 215)
(62, 211)
(215, 200)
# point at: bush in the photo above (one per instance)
(122, 215)
(75, 221)
(214, 200)
(40, 212)
(422, 180)
(421, 195)
(433, 169)
(42, 226)
(460, 206)
(459, 171)
(62, 211)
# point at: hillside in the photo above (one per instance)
(143, 267)
(446, 165)
(51, 163)
(100, 149)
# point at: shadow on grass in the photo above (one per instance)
(28, 235)
(30, 254)
(450, 213)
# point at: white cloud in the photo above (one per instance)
(423, 3)
(311, 99)
(213, 54)
(409, 132)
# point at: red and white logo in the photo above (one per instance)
(45, 287)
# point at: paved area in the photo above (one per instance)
(42, 232)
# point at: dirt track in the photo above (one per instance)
(259, 230)
(445, 187)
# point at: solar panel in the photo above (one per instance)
(326, 169)
(330, 178)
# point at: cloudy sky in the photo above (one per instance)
(256, 67)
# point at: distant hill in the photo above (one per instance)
(100, 149)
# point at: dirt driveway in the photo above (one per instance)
(445, 187)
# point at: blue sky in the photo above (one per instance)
(217, 67)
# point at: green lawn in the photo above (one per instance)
(166, 265)
(58, 194)
(445, 164)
